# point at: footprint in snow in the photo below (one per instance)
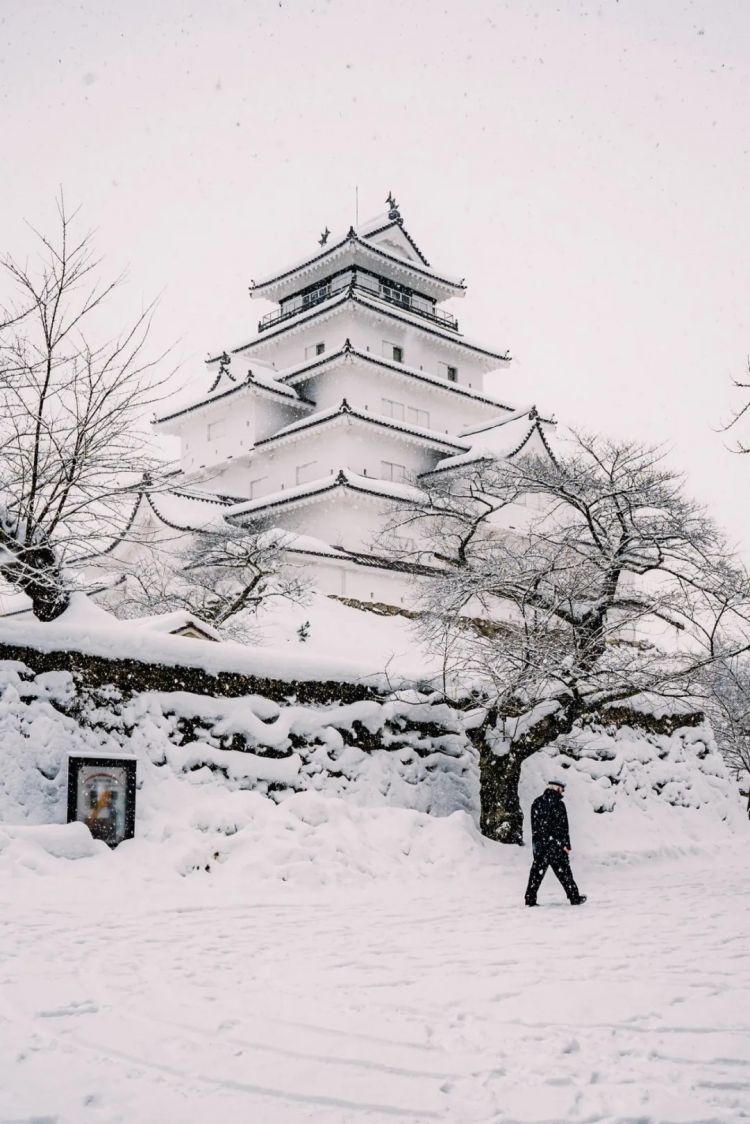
(82, 1007)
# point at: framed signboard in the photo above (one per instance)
(101, 794)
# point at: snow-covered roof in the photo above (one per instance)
(344, 411)
(414, 319)
(382, 241)
(188, 511)
(310, 546)
(358, 299)
(311, 368)
(223, 384)
(386, 221)
(344, 478)
(86, 627)
(176, 622)
(502, 439)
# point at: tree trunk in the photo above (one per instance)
(48, 602)
(38, 573)
(501, 817)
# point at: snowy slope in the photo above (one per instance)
(333, 651)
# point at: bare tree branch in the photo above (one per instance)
(611, 583)
(74, 442)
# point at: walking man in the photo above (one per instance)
(551, 843)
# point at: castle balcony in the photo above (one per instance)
(374, 288)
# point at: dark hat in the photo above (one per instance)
(556, 783)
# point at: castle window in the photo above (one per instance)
(393, 472)
(395, 294)
(216, 429)
(393, 409)
(314, 349)
(257, 487)
(316, 295)
(448, 372)
(304, 473)
(418, 417)
(393, 351)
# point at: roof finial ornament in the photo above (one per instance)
(325, 235)
(393, 211)
(224, 361)
(533, 413)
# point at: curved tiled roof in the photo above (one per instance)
(353, 238)
(249, 383)
(313, 365)
(344, 478)
(345, 410)
(345, 295)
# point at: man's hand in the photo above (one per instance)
(567, 850)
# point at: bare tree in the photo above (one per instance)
(222, 575)
(728, 704)
(740, 413)
(73, 444)
(607, 581)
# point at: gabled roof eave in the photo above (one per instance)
(325, 307)
(458, 288)
(345, 412)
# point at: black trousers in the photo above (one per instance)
(557, 858)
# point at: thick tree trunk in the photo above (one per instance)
(47, 601)
(38, 573)
(501, 817)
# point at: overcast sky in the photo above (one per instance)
(585, 166)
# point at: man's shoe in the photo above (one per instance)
(579, 901)
(532, 903)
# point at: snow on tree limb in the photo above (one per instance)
(609, 583)
(74, 446)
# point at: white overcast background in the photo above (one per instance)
(585, 166)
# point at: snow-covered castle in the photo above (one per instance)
(357, 386)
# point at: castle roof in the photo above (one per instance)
(343, 480)
(344, 411)
(382, 243)
(224, 386)
(503, 439)
(188, 510)
(282, 384)
(312, 368)
(358, 299)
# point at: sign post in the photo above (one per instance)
(101, 794)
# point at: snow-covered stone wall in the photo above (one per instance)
(628, 790)
(407, 750)
(646, 789)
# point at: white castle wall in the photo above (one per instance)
(228, 428)
(321, 452)
(365, 387)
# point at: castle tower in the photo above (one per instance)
(357, 385)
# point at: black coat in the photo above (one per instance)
(549, 822)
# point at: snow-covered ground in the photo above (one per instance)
(347, 965)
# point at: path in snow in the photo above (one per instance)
(194, 1002)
